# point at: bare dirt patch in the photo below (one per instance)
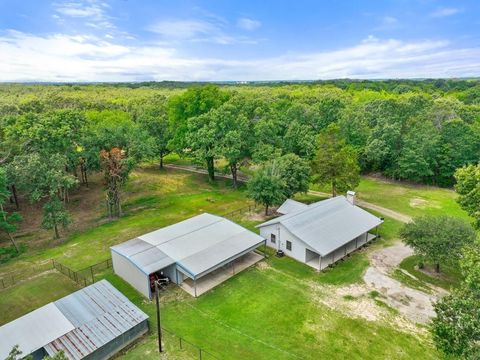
(414, 304)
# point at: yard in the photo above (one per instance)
(280, 309)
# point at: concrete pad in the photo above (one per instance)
(218, 276)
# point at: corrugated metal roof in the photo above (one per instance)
(33, 330)
(196, 244)
(78, 324)
(100, 313)
(327, 225)
(290, 206)
(144, 255)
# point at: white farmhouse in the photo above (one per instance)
(321, 233)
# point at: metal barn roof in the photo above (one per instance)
(196, 245)
(33, 330)
(290, 206)
(78, 324)
(327, 225)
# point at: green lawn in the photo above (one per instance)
(155, 199)
(272, 312)
(30, 295)
(448, 277)
(413, 200)
(267, 312)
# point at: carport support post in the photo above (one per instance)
(195, 285)
(159, 327)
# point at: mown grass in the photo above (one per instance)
(155, 199)
(271, 313)
(267, 312)
(32, 294)
(409, 199)
(448, 278)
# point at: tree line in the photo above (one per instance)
(53, 137)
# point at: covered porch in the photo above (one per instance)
(319, 262)
(203, 284)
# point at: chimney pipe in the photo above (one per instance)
(351, 197)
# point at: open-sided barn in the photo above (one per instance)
(198, 254)
(321, 233)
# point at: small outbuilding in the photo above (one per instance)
(321, 233)
(92, 323)
(197, 254)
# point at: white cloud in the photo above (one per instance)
(92, 10)
(59, 57)
(183, 29)
(445, 11)
(248, 24)
(194, 30)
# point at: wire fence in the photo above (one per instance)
(246, 209)
(84, 276)
(185, 349)
(12, 278)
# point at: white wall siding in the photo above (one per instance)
(129, 272)
(266, 232)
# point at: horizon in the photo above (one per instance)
(117, 41)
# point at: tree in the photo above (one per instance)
(16, 354)
(295, 173)
(468, 187)
(456, 327)
(203, 138)
(235, 136)
(459, 146)
(266, 187)
(193, 102)
(417, 160)
(55, 214)
(41, 180)
(116, 168)
(438, 239)
(153, 118)
(335, 162)
(7, 221)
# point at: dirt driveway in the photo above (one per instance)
(414, 304)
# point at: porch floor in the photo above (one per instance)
(218, 276)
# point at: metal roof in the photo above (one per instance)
(78, 324)
(327, 225)
(100, 313)
(33, 330)
(290, 206)
(196, 244)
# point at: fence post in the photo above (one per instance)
(180, 343)
(200, 353)
(91, 271)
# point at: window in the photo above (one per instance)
(289, 245)
(273, 238)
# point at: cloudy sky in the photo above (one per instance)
(127, 40)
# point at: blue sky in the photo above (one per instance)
(127, 40)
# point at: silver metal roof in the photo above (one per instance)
(78, 324)
(327, 225)
(100, 313)
(196, 245)
(290, 206)
(33, 330)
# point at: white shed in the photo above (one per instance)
(187, 252)
(321, 233)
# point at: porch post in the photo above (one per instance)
(320, 262)
(176, 275)
(195, 285)
(233, 267)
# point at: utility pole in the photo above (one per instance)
(159, 327)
